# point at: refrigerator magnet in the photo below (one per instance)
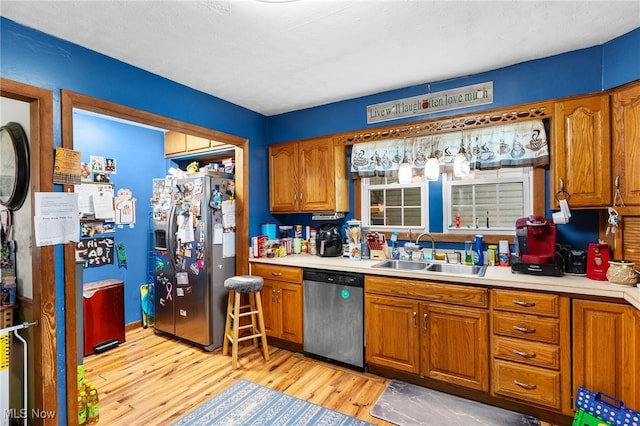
(194, 268)
(182, 278)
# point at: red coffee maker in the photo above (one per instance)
(536, 247)
(598, 257)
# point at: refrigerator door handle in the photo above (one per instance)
(171, 236)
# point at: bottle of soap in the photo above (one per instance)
(478, 253)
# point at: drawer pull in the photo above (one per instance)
(276, 274)
(525, 304)
(525, 385)
(524, 354)
(524, 329)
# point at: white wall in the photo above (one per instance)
(18, 111)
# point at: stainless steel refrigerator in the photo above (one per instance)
(193, 253)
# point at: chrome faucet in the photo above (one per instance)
(433, 244)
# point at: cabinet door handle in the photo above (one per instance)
(525, 304)
(524, 329)
(273, 296)
(277, 296)
(425, 320)
(301, 196)
(415, 319)
(524, 354)
(525, 385)
(295, 196)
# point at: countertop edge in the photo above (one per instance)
(496, 276)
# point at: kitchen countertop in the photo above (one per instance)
(496, 276)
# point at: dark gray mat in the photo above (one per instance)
(409, 405)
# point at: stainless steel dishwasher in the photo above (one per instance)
(334, 316)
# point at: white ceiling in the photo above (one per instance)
(275, 58)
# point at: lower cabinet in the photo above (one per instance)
(530, 346)
(606, 349)
(421, 335)
(281, 300)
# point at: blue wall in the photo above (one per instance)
(111, 139)
(35, 58)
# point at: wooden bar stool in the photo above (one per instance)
(251, 285)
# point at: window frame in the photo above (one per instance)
(362, 195)
(448, 183)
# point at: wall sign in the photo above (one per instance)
(462, 97)
(96, 251)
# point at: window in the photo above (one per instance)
(487, 200)
(388, 204)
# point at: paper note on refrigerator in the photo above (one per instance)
(229, 244)
(229, 214)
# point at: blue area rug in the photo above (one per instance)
(247, 403)
(405, 404)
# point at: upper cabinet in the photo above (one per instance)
(308, 176)
(626, 143)
(177, 144)
(581, 152)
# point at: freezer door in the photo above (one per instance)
(164, 293)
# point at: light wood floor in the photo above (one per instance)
(154, 379)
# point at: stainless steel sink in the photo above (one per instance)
(445, 268)
(456, 268)
(406, 265)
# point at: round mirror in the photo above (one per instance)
(14, 165)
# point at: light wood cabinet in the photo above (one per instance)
(626, 142)
(420, 334)
(308, 176)
(530, 348)
(606, 349)
(581, 152)
(391, 332)
(454, 345)
(281, 301)
(177, 144)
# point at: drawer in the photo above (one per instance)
(527, 327)
(455, 294)
(527, 352)
(277, 272)
(525, 383)
(526, 302)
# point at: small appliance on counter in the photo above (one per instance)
(329, 240)
(536, 247)
(575, 262)
(598, 257)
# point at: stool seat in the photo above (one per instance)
(244, 283)
(236, 330)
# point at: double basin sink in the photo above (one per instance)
(445, 268)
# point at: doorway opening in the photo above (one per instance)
(235, 146)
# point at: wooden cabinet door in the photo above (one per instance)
(196, 143)
(316, 190)
(270, 311)
(174, 143)
(606, 348)
(290, 305)
(283, 178)
(626, 143)
(454, 345)
(391, 332)
(581, 152)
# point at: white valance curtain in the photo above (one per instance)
(519, 144)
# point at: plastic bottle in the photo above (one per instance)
(82, 408)
(492, 255)
(468, 250)
(478, 254)
(93, 408)
(82, 411)
(395, 253)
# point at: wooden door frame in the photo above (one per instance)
(42, 258)
(71, 100)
